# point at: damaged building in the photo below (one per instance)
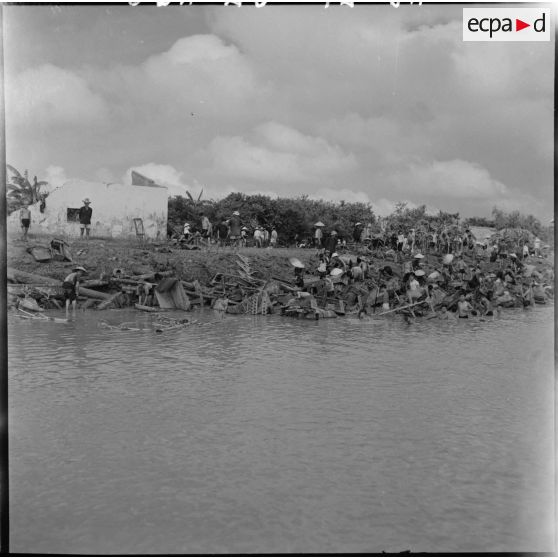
(119, 210)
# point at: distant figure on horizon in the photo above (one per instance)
(85, 213)
(25, 218)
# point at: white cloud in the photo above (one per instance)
(450, 179)
(279, 154)
(55, 176)
(198, 80)
(48, 94)
(388, 104)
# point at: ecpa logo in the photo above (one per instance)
(506, 24)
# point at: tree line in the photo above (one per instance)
(294, 218)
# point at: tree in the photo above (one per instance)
(20, 191)
(517, 220)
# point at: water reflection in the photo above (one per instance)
(253, 434)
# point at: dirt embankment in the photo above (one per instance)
(102, 256)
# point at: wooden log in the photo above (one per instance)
(127, 281)
(16, 276)
(94, 283)
(90, 293)
(150, 277)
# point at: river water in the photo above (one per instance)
(254, 434)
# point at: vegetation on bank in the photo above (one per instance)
(20, 191)
(513, 220)
(294, 218)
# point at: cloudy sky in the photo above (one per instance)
(370, 103)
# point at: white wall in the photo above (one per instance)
(114, 206)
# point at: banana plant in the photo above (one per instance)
(20, 191)
(191, 198)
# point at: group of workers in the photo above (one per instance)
(447, 286)
(229, 232)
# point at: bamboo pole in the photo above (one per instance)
(31, 278)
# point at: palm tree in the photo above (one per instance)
(20, 191)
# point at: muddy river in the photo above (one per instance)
(273, 435)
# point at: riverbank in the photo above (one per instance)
(265, 280)
(102, 256)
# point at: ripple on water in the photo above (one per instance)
(262, 434)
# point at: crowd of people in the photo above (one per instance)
(382, 238)
(226, 232)
(476, 281)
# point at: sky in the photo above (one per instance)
(367, 104)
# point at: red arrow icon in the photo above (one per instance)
(519, 25)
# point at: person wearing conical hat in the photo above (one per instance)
(417, 261)
(357, 231)
(85, 213)
(71, 287)
(234, 224)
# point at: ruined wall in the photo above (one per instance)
(114, 208)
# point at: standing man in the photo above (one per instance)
(537, 247)
(235, 228)
(258, 237)
(85, 217)
(318, 236)
(273, 239)
(357, 232)
(331, 242)
(222, 232)
(206, 227)
(25, 218)
(71, 287)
